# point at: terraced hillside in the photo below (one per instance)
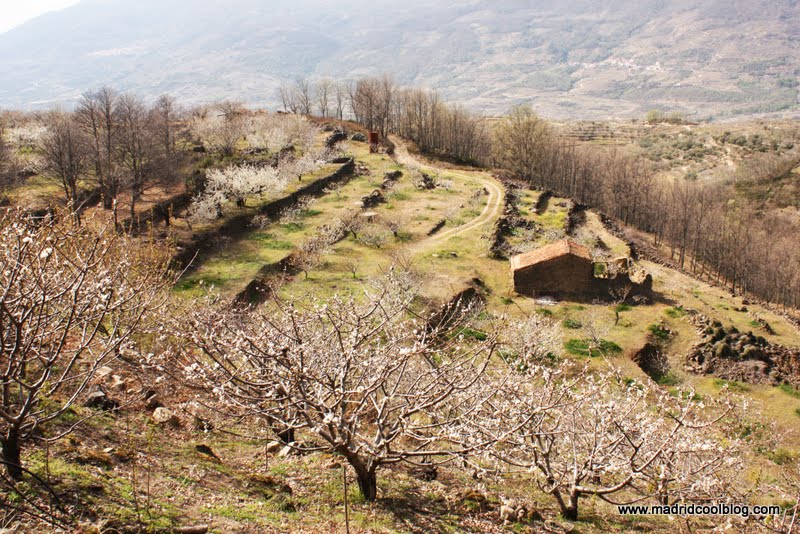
(451, 230)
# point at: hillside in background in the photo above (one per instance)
(572, 59)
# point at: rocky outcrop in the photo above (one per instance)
(728, 353)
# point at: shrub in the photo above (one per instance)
(675, 312)
(659, 332)
(581, 347)
(733, 385)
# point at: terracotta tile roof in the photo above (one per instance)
(549, 252)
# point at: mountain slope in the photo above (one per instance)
(575, 58)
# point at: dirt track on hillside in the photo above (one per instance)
(491, 211)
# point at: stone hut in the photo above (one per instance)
(562, 268)
(566, 269)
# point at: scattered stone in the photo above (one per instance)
(286, 451)
(730, 354)
(152, 402)
(99, 400)
(274, 446)
(335, 137)
(426, 182)
(119, 384)
(393, 175)
(86, 456)
(164, 416)
(359, 137)
(427, 473)
(373, 199)
(103, 372)
(438, 226)
(652, 360)
(207, 451)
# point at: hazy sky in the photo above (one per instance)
(15, 12)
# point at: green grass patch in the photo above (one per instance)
(293, 226)
(659, 332)
(572, 324)
(781, 456)
(675, 312)
(622, 307)
(733, 385)
(545, 312)
(581, 347)
(471, 333)
(669, 379)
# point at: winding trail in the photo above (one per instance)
(491, 210)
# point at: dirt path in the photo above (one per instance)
(491, 211)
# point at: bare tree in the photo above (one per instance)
(165, 113)
(340, 98)
(521, 141)
(65, 152)
(97, 114)
(71, 302)
(323, 91)
(302, 96)
(286, 94)
(135, 145)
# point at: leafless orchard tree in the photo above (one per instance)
(352, 265)
(594, 434)
(220, 127)
(372, 384)
(72, 299)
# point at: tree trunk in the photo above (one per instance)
(570, 511)
(11, 452)
(368, 484)
(286, 436)
(366, 476)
